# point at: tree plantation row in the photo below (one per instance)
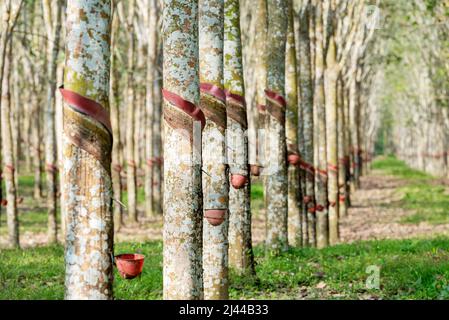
(196, 101)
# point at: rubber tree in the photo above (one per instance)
(116, 168)
(215, 172)
(331, 76)
(291, 131)
(131, 172)
(87, 146)
(276, 175)
(183, 120)
(321, 176)
(151, 102)
(53, 28)
(241, 256)
(306, 105)
(261, 29)
(9, 19)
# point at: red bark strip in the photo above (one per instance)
(316, 208)
(276, 106)
(186, 106)
(307, 167)
(51, 168)
(9, 168)
(213, 104)
(276, 98)
(132, 163)
(235, 97)
(255, 170)
(213, 90)
(262, 108)
(321, 172)
(236, 108)
(87, 106)
(332, 167)
(118, 168)
(154, 161)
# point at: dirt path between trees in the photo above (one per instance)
(373, 215)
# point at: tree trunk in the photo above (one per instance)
(157, 141)
(54, 28)
(276, 175)
(150, 105)
(342, 159)
(87, 149)
(241, 256)
(321, 208)
(131, 179)
(291, 130)
(9, 170)
(331, 78)
(182, 153)
(306, 92)
(117, 168)
(215, 172)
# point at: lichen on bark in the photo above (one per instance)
(87, 191)
(215, 171)
(240, 247)
(276, 176)
(182, 272)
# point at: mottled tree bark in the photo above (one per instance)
(87, 152)
(276, 175)
(151, 78)
(53, 26)
(291, 131)
(342, 155)
(116, 168)
(9, 170)
(157, 139)
(10, 14)
(321, 177)
(331, 78)
(306, 92)
(215, 172)
(131, 179)
(241, 256)
(261, 29)
(182, 153)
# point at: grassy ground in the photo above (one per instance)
(428, 199)
(409, 269)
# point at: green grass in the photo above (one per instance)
(428, 199)
(257, 203)
(409, 269)
(32, 217)
(392, 166)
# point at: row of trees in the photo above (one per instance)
(282, 100)
(412, 85)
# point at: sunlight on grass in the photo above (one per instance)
(429, 200)
(410, 269)
(392, 166)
